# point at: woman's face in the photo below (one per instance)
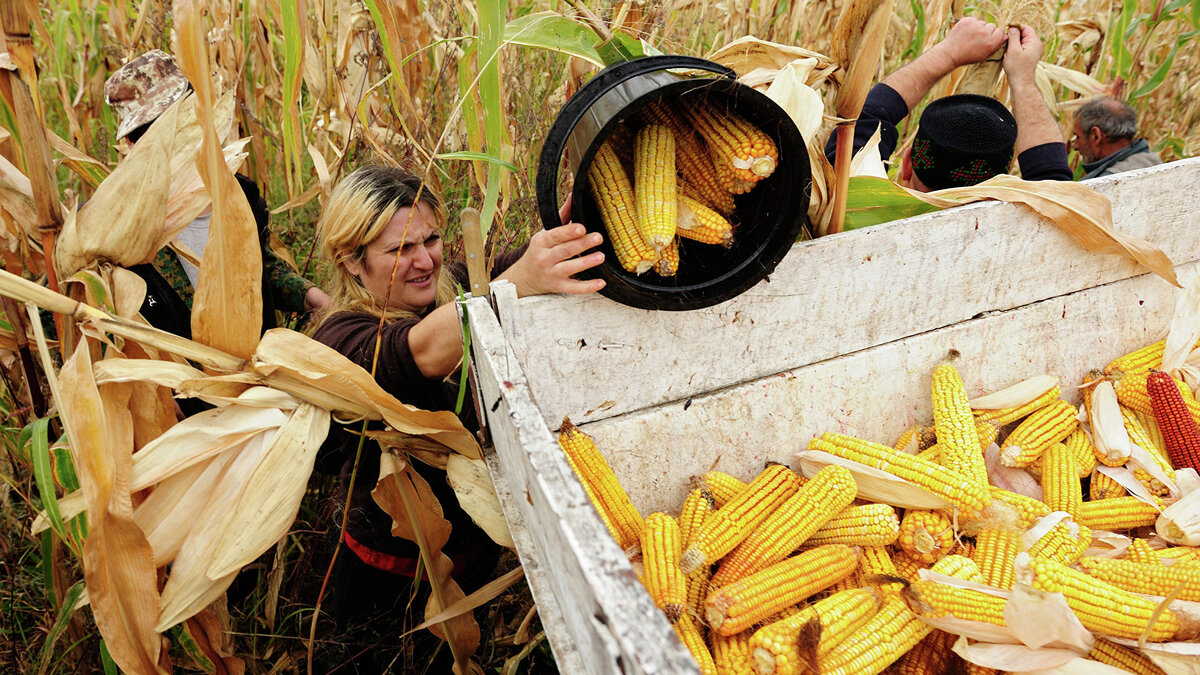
(419, 265)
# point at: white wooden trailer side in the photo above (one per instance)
(843, 336)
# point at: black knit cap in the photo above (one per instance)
(963, 140)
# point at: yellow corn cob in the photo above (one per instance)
(688, 631)
(907, 567)
(968, 496)
(932, 454)
(1178, 555)
(959, 566)
(908, 440)
(933, 655)
(1028, 509)
(987, 433)
(1064, 543)
(865, 525)
(964, 548)
(1118, 513)
(633, 548)
(1156, 579)
(1132, 393)
(995, 550)
(660, 557)
(1039, 431)
(926, 535)
(738, 606)
(734, 142)
(591, 467)
(1080, 445)
(729, 525)
(824, 495)
(700, 223)
(1139, 551)
(654, 185)
(696, 507)
(955, 426)
(893, 631)
(1061, 489)
(933, 600)
(732, 654)
(1125, 658)
(698, 589)
(692, 158)
(1101, 607)
(875, 568)
(722, 486)
(668, 260)
(1139, 360)
(1007, 415)
(1153, 432)
(1103, 486)
(776, 646)
(1152, 484)
(614, 196)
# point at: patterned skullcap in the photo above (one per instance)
(143, 89)
(963, 140)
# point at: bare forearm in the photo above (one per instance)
(915, 80)
(1035, 123)
(436, 342)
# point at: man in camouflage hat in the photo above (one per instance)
(140, 92)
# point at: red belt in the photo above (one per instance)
(395, 564)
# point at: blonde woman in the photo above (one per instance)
(379, 218)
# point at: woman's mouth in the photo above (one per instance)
(421, 281)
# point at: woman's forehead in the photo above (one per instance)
(411, 224)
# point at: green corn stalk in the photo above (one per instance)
(293, 42)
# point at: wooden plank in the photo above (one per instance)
(592, 358)
(878, 392)
(605, 614)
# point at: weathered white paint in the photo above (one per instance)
(592, 358)
(605, 623)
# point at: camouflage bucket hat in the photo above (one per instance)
(143, 89)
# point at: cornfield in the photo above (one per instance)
(294, 95)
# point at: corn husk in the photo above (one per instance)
(1185, 326)
(873, 484)
(867, 161)
(1108, 427)
(1180, 522)
(168, 513)
(801, 102)
(1009, 478)
(1016, 395)
(748, 53)
(476, 494)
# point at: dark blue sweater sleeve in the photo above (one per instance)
(884, 108)
(1047, 161)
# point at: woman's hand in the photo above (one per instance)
(554, 256)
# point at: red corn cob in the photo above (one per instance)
(1180, 433)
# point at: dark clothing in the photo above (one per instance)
(885, 108)
(353, 334)
(1136, 155)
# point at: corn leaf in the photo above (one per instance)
(168, 514)
(117, 560)
(293, 14)
(476, 494)
(478, 156)
(858, 42)
(267, 507)
(553, 31)
(69, 604)
(871, 200)
(43, 475)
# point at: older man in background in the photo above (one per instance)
(1104, 136)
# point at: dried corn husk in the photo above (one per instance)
(873, 484)
(748, 53)
(1185, 327)
(1016, 395)
(1180, 522)
(1108, 429)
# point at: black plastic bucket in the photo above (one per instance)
(769, 217)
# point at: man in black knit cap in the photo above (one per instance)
(965, 139)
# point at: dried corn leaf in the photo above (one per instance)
(163, 373)
(320, 375)
(227, 307)
(1016, 395)
(1078, 210)
(476, 494)
(858, 41)
(201, 437)
(1080, 83)
(16, 197)
(168, 513)
(267, 507)
(417, 516)
(117, 560)
(122, 220)
(747, 53)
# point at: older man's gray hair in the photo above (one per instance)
(1115, 118)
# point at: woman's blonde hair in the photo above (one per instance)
(357, 212)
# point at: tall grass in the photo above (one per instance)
(441, 87)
